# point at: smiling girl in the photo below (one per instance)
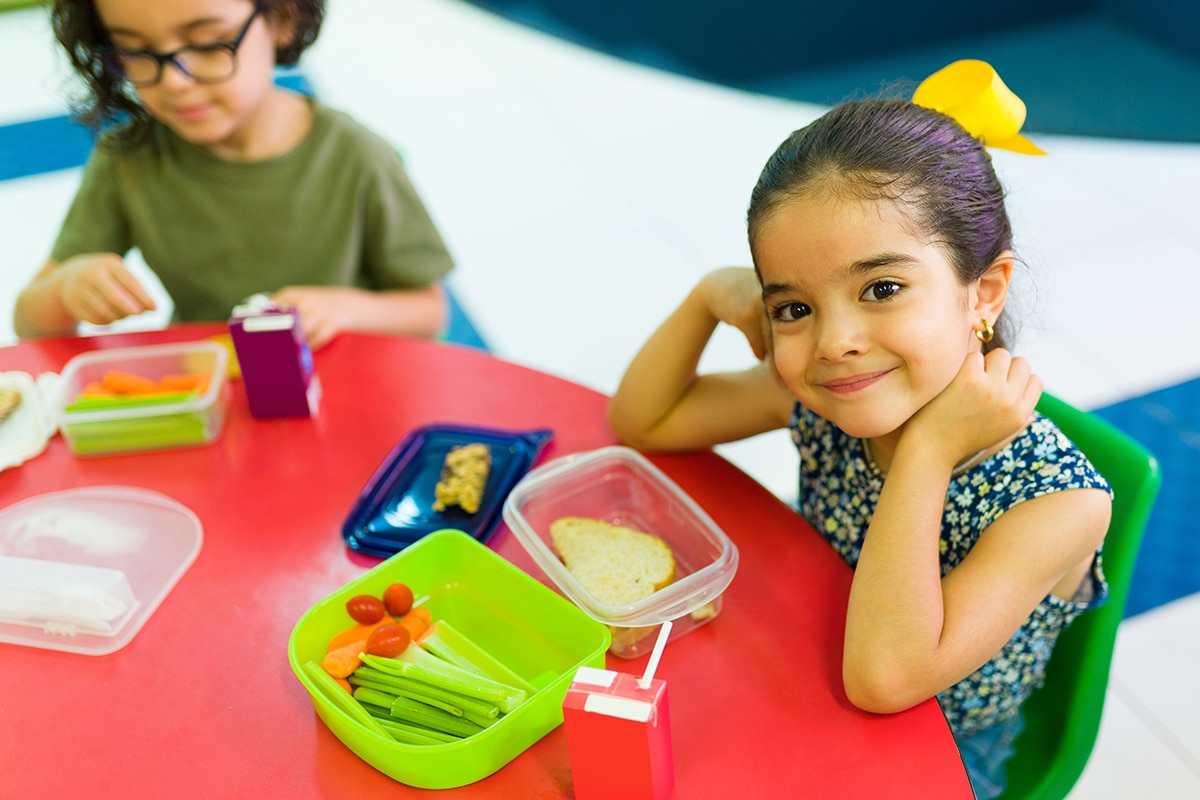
(228, 184)
(882, 262)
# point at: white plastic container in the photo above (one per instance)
(620, 486)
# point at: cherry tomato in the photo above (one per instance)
(388, 640)
(365, 609)
(399, 599)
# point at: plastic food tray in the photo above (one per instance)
(194, 420)
(395, 508)
(533, 631)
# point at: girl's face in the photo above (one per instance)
(869, 321)
(217, 115)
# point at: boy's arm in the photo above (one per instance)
(326, 311)
(94, 287)
(662, 404)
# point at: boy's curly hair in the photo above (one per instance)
(110, 101)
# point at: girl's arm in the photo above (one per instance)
(662, 404)
(326, 311)
(910, 633)
(94, 287)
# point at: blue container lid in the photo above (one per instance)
(395, 508)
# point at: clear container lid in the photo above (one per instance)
(82, 570)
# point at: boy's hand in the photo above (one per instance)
(989, 400)
(325, 311)
(99, 288)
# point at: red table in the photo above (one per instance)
(202, 702)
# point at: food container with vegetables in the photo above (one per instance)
(474, 603)
(618, 493)
(142, 398)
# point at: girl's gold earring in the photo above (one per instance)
(987, 333)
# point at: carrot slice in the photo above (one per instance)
(416, 621)
(354, 633)
(183, 381)
(341, 662)
(122, 382)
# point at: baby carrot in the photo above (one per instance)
(184, 381)
(122, 382)
(345, 684)
(341, 662)
(416, 621)
(354, 633)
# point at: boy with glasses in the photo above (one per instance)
(228, 184)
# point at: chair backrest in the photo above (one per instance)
(1063, 717)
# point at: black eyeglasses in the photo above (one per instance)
(203, 63)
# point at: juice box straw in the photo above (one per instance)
(652, 666)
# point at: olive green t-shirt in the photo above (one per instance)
(338, 209)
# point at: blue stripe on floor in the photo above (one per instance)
(42, 145)
(1167, 422)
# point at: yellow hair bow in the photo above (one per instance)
(972, 93)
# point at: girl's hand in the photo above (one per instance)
(989, 400)
(99, 288)
(733, 295)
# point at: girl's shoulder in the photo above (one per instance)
(1039, 461)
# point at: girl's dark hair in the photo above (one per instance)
(914, 156)
(110, 99)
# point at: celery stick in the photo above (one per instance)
(373, 697)
(415, 713)
(337, 695)
(412, 734)
(133, 434)
(434, 672)
(446, 642)
(406, 687)
(86, 402)
(384, 686)
(504, 695)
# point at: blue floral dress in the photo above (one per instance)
(839, 489)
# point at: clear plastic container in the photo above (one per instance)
(620, 486)
(174, 419)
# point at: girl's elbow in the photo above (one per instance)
(625, 429)
(879, 691)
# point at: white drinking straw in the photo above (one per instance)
(663, 634)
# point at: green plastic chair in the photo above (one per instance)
(1063, 717)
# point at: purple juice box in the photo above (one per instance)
(275, 360)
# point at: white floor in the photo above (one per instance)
(600, 191)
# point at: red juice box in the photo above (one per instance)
(275, 360)
(618, 730)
